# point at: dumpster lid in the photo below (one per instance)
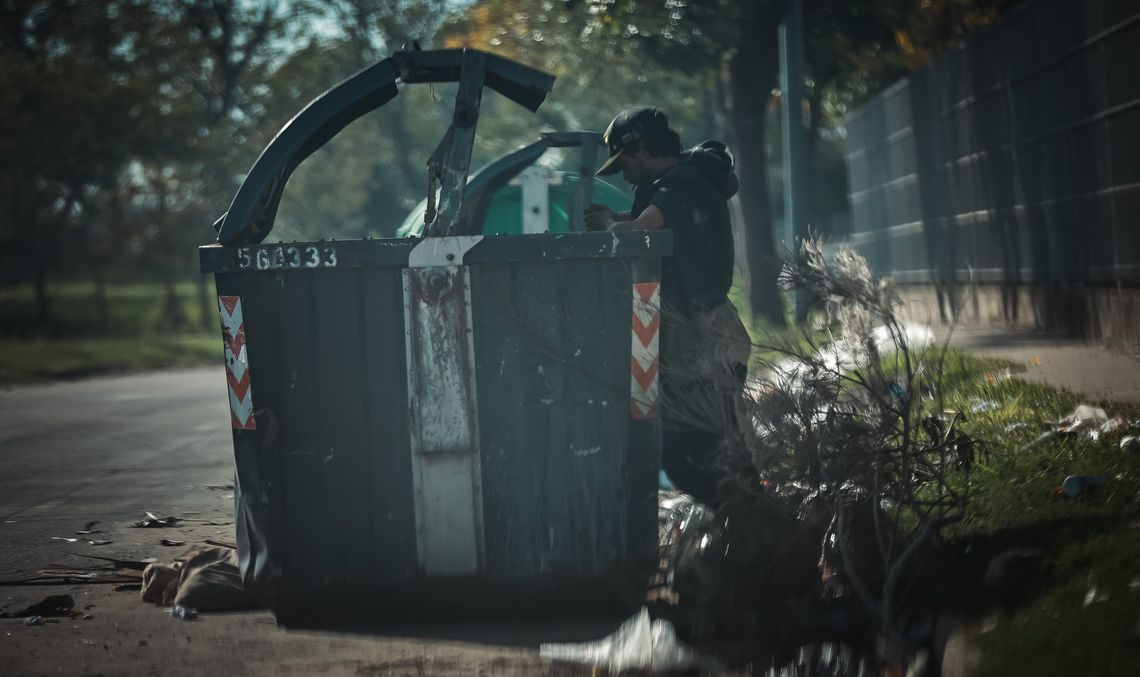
(253, 210)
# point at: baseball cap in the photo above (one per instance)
(630, 126)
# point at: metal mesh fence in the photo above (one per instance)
(1017, 155)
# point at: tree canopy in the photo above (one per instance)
(131, 123)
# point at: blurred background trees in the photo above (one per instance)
(129, 124)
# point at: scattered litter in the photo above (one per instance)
(1014, 427)
(153, 521)
(169, 542)
(1075, 485)
(86, 617)
(186, 613)
(34, 620)
(1037, 360)
(1095, 595)
(111, 570)
(998, 376)
(127, 587)
(100, 542)
(1084, 417)
(52, 605)
(1087, 421)
(841, 356)
(978, 405)
(88, 642)
(207, 579)
(1129, 441)
(64, 539)
(827, 658)
(687, 534)
(639, 644)
(1038, 441)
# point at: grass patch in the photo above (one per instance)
(131, 309)
(1063, 626)
(25, 361)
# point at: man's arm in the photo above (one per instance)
(600, 217)
(650, 219)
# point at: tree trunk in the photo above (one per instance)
(43, 307)
(173, 314)
(100, 299)
(752, 74)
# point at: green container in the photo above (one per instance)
(505, 214)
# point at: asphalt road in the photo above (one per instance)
(110, 449)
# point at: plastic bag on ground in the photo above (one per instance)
(841, 356)
(639, 644)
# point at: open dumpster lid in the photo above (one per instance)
(253, 210)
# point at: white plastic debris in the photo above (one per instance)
(1084, 418)
(1088, 422)
(979, 405)
(1095, 595)
(841, 356)
(639, 644)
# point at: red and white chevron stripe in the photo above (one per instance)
(237, 363)
(645, 362)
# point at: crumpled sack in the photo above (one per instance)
(209, 581)
(639, 644)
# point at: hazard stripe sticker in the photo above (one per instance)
(644, 359)
(237, 363)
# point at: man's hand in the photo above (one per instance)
(599, 217)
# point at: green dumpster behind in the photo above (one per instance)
(454, 423)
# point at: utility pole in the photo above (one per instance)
(791, 40)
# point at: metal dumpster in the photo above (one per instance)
(458, 423)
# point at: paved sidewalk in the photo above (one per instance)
(1094, 371)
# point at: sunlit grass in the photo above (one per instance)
(24, 361)
(1086, 542)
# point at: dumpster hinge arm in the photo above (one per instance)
(452, 158)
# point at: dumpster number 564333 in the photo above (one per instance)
(274, 258)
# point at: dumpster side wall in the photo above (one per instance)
(552, 342)
(567, 463)
(329, 378)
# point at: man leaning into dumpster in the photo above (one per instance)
(704, 347)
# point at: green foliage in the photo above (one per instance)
(133, 309)
(26, 361)
(132, 123)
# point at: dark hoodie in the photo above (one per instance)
(693, 197)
